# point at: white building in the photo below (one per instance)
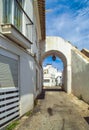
(22, 35)
(59, 79)
(51, 76)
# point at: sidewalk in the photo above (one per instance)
(57, 111)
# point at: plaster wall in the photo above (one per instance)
(51, 75)
(27, 74)
(51, 79)
(80, 75)
(61, 48)
(30, 31)
(28, 7)
(57, 43)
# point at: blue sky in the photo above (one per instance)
(68, 19)
(57, 63)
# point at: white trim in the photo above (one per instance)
(8, 54)
(9, 89)
(12, 12)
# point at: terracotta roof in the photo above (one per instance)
(85, 52)
(41, 6)
(79, 52)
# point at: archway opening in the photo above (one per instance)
(54, 70)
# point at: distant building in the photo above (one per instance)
(51, 77)
(59, 79)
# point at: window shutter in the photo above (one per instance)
(8, 72)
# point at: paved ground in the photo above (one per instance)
(57, 111)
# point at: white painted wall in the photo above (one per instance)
(49, 75)
(80, 75)
(30, 71)
(51, 79)
(61, 45)
(52, 75)
(28, 7)
(30, 31)
(62, 49)
(59, 78)
(27, 74)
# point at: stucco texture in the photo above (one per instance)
(80, 76)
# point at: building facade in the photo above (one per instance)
(51, 76)
(22, 39)
(59, 79)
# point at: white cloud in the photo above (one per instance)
(74, 29)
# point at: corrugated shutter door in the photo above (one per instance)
(8, 72)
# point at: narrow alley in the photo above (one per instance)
(56, 110)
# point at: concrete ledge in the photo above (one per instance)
(12, 33)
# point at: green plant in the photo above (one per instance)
(28, 113)
(12, 125)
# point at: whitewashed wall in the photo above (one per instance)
(80, 75)
(62, 49)
(27, 74)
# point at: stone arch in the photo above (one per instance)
(62, 49)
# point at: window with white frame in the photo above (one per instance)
(46, 80)
(13, 12)
(7, 11)
(18, 14)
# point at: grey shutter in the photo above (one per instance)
(8, 72)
